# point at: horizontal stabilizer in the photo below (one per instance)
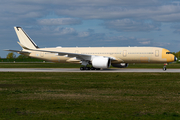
(18, 51)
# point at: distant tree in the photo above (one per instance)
(22, 57)
(174, 53)
(11, 56)
(177, 54)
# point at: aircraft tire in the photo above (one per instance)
(87, 68)
(164, 69)
(98, 68)
(92, 68)
(82, 68)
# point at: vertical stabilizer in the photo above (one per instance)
(24, 39)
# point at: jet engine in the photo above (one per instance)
(101, 62)
(120, 65)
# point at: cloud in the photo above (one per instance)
(157, 10)
(128, 25)
(164, 13)
(144, 41)
(177, 28)
(88, 33)
(163, 44)
(83, 34)
(59, 21)
(128, 41)
(65, 31)
(94, 2)
(177, 31)
(167, 13)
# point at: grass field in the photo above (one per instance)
(70, 65)
(39, 65)
(89, 96)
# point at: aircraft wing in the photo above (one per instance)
(66, 54)
(18, 51)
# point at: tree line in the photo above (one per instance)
(177, 54)
(13, 56)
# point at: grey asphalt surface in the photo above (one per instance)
(77, 70)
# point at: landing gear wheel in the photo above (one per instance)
(98, 68)
(87, 68)
(92, 68)
(82, 68)
(164, 68)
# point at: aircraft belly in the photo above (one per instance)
(144, 59)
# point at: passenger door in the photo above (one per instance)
(124, 53)
(156, 53)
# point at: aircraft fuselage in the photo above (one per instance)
(121, 54)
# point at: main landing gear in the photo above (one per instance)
(164, 68)
(85, 64)
(89, 68)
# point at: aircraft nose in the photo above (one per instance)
(175, 58)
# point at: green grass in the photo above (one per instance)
(89, 96)
(70, 65)
(39, 65)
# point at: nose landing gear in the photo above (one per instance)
(164, 68)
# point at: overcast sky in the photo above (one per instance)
(108, 23)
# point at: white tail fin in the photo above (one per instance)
(24, 39)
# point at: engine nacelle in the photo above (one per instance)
(101, 62)
(120, 65)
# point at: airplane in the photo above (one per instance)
(96, 57)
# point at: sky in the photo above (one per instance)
(91, 23)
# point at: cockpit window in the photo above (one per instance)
(168, 52)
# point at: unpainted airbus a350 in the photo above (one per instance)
(97, 57)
